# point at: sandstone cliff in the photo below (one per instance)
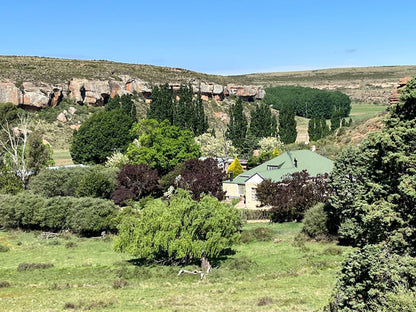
(97, 92)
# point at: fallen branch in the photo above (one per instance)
(192, 272)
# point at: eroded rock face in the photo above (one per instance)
(9, 93)
(97, 92)
(394, 98)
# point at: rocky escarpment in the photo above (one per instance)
(394, 97)
(38, 95)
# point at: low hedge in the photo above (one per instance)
(87, 216)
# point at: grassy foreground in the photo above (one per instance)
(87, 275)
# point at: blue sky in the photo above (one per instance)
(221, 37)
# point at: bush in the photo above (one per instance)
(33, 266)
(4, 284)
(263, 234)
(94, 181)
(58, 182)
(98, 183)
(369, 276)
(4, 248)
(81, 215)
(315, 221)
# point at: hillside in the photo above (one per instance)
(363, 84)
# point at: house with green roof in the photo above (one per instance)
(245, 184)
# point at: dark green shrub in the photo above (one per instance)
(33, 266)
(119, 284)
(98, 183)
(58, 182)
(82, 215)
(400, 298)
(90, 216)
(242, 263)
(368, 275)
(4, 284)
(4, 248)
(315, 221)
(247, 237)
(263, 234)
(9, 182)
(265, 301)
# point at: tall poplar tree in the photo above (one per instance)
(263, 123)
(162, 105)
(237, 126)
(287, 124)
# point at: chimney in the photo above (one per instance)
(295, 161)
(231, 175)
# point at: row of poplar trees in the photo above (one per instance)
(186, 112)
(244, 135)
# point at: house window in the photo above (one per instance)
(254, 194)
(240, 189)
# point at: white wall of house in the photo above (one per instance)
(251, 191)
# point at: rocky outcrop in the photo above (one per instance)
(394, 98)
(98, 92)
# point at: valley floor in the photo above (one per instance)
(281, 274)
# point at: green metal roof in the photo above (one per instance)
(276, 168)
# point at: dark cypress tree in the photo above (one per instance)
(314, 129)
(287, 124)
(161, 107)
(200, 123)
(124, 102)
(237, 127)
(184, 110)
(263, 123)
(335, 120)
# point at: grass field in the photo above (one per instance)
(361, 111)
(62, 157)
(88, 275)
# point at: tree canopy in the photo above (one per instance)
(263, 123)
(287, 124)
(237, 126)
(309, 102)
(100, 135)
(202, 177)
(161, 145)
(186, 113)
(373, 206)
(180, 230)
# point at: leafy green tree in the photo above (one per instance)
(287, 124)
(237, 126)
(161, 146)
(181, 230)
(39, 155)
(263, 123)
(100, 135)
(125, 102)
(214, 147)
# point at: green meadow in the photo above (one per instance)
(71, 273)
